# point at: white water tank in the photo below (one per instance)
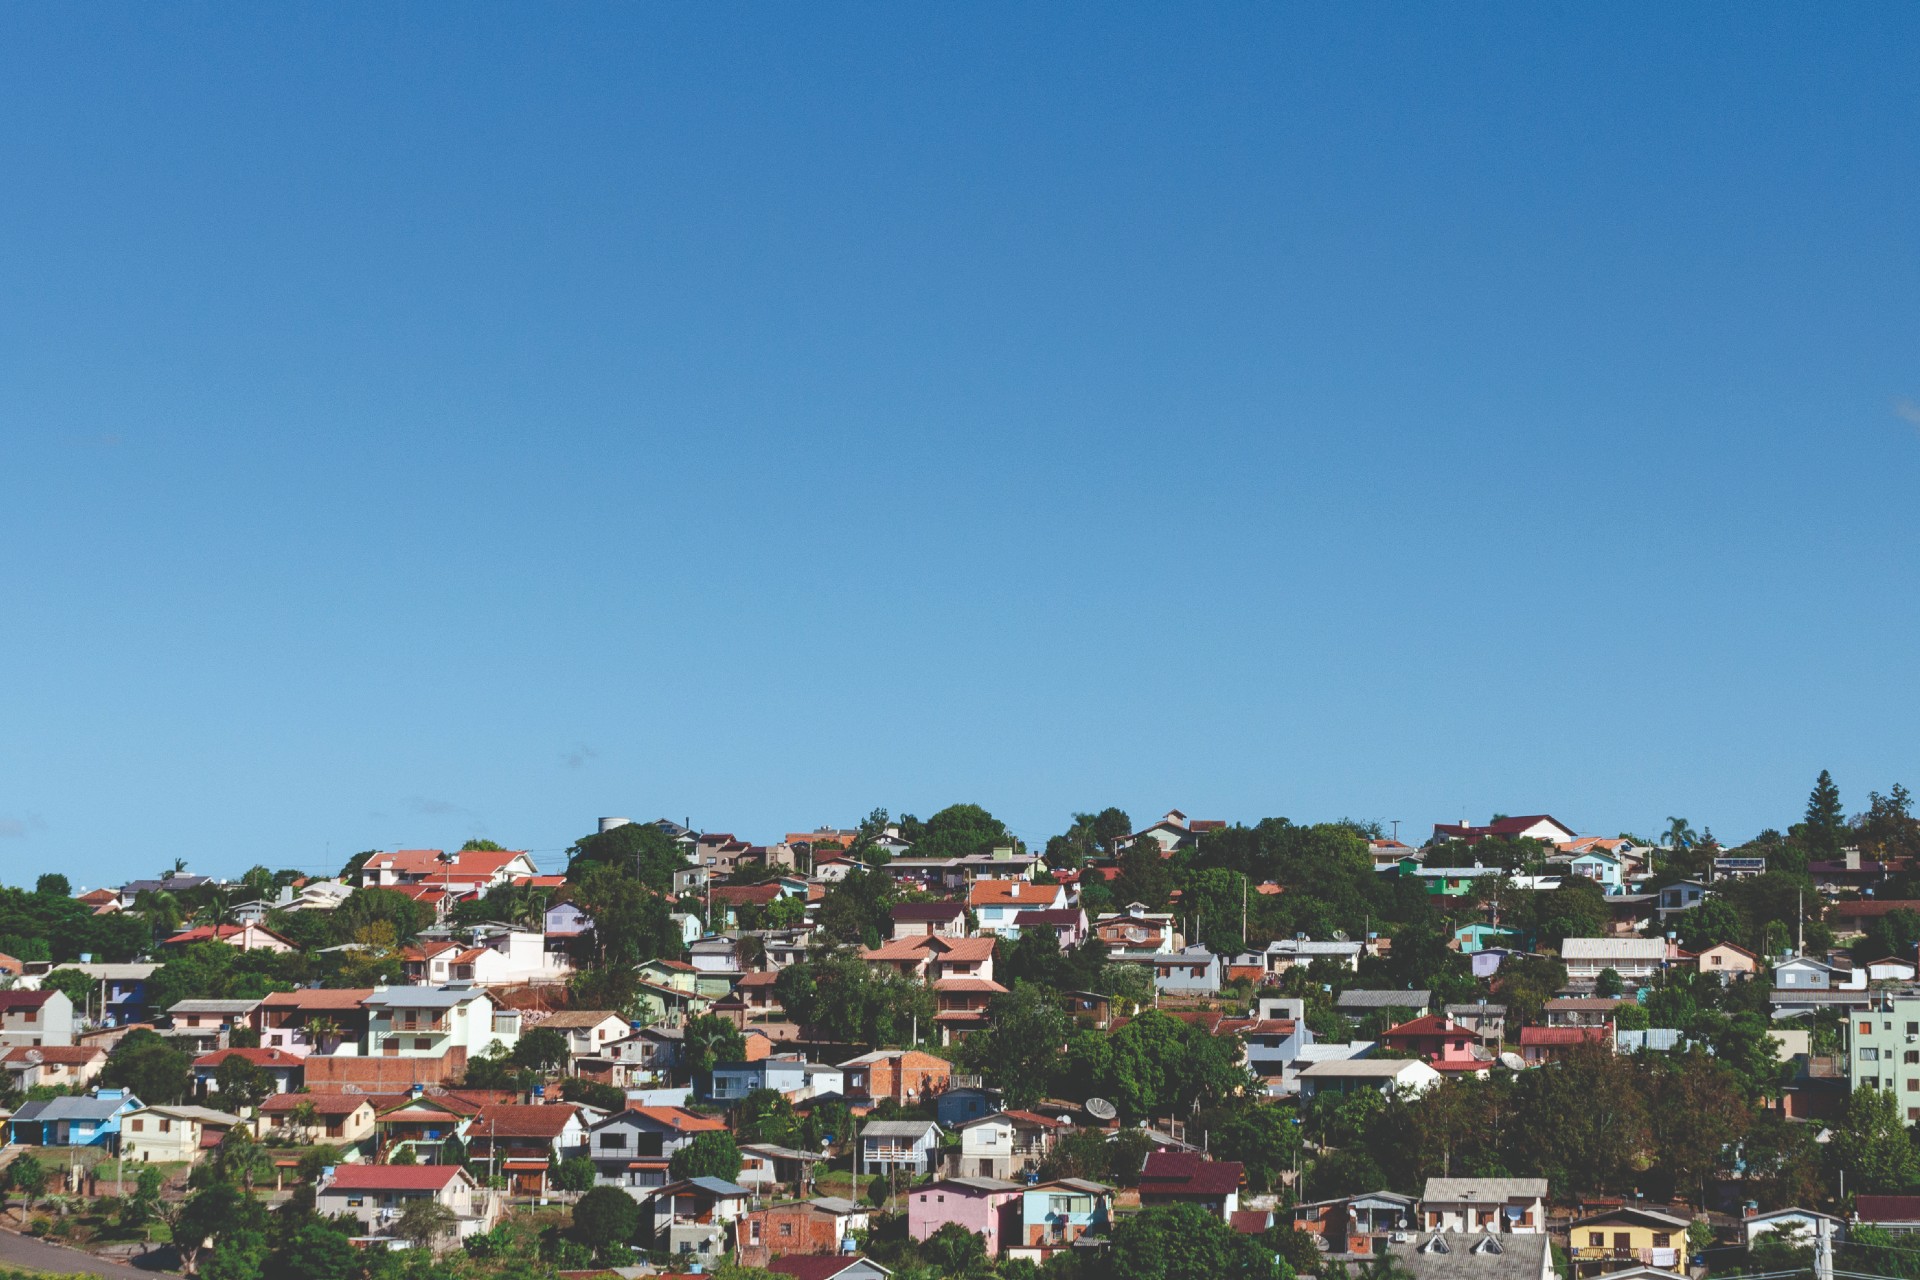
(608, 824)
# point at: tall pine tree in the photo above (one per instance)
(1826, 820)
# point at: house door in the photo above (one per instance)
(1622, 1244)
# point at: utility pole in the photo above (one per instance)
(1822, 1249)
(1243, 912)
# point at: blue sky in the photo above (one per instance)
(425, 422)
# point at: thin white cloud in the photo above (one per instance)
(428, 805)
(579, 755)
(1907, 411)
(20, 828)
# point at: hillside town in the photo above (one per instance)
(1164, 1049)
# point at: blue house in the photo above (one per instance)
(957, 1106)
(1055, 1214)
(92, 1121)
(1478, 937)
(1601, 868)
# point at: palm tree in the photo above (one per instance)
(1680, 834)
(159, 908)
(179, 865)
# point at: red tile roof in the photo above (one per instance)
(679, 1120)
(522, 1120)
(258, 1057)
(813, 1266)
(316, 998)
(58, 1054)
(1179, 1173)
(325, 1104)
(394, 1177)
(1887, 1208)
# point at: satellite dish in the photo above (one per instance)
(1513, 1062)
(1101, 1109)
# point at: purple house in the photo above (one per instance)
(974, 1203)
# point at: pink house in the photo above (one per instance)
(975, 1203)
(1442, 1043)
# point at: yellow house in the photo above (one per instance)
(1626, 1236)
(338, 1119)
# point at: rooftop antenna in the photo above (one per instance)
(1396, 831)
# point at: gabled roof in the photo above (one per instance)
(899, 1129)
(276, 1059)
(1870, 1208)
(316, 999)
(935, 911)
(72, 1055)
(394, 1177)
(323, 1104)
(677, 1119)
(584, 1019)
(1011, 893)
(1185, 1173)
(523, 1120)
(817, 1266)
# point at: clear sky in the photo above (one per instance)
(428, 421)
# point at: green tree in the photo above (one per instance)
(632, 921)
(858, 909)
(959, 831)
(1696, 1112)
(29, 1178)
(364, 908)
(75, 985)
(424, 1221)
(711, 1040)
(1609, 983)
(1185, 1242)
(954, 1251)
(316, 1250)
(1259, 1135)
(240, 1083)
(1826, 826)
(147, 1066)
(1872, 1145)
(638, 850)
(605, 1217)
(709, 1155)
(54, 885)
(1025, 1030)
(237, 1255)
(541, 1049)
(576, 1173)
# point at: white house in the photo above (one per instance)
(1512, 1205)
(908, 1145)
(377, 1194)
(997, 904)
(425, 1022)
(1383, 1075)
(1636, 960)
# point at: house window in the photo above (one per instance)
(1866, 1028)
(1869, 1054)
(786, 1229)
(1661, 1240)
(422, 1043)
(139, 1126)
(613, 1141)
(1597, 1239)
